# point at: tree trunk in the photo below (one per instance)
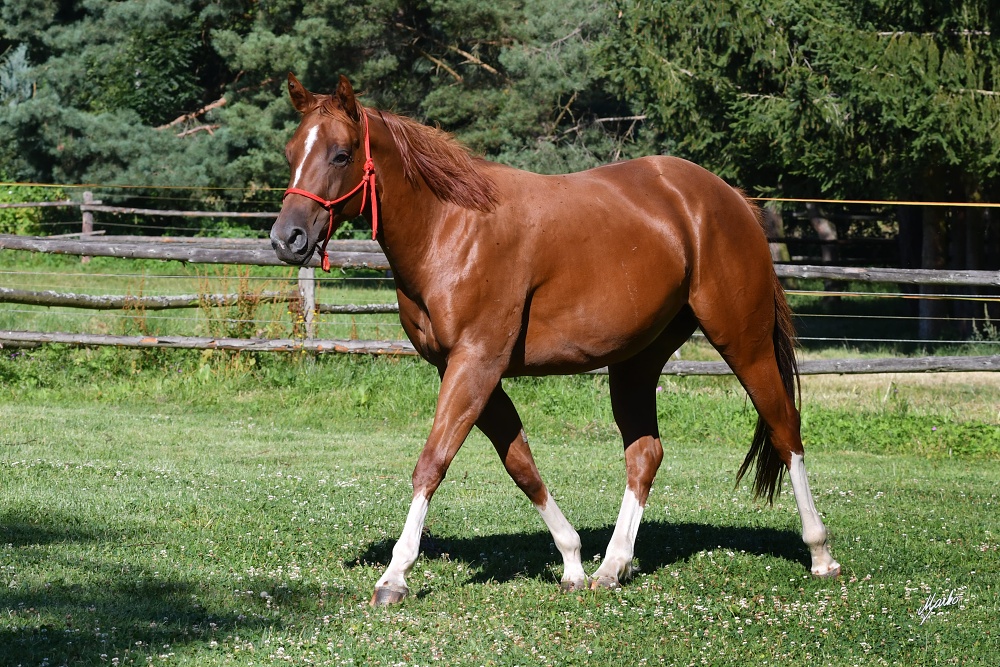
(827, 232)
(989, 256)
(959, 234)
(933, 256)
(774, 227)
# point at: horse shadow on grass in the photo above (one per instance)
(505, 557)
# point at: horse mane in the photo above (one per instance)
(450, 170)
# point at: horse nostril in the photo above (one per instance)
(297, 241)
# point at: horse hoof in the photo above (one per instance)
(388, 595)
(609, 583)
(571, 586)
(830, 573)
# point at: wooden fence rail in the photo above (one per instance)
(128, 210)
(257, 255)
(963, 364)
(41, 204)
(134, 302)
(89, 205)
(368, 255)
(344, 346)
(51, 298)
(899, 276)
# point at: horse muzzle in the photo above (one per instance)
(291, 243)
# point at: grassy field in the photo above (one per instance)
(184, 508)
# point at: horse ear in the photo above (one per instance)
(345, 95)
(302, 99)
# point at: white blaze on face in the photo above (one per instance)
(310, 142)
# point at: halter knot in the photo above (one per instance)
(367, 183)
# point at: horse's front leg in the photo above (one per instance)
(502, 425)
(466, 386)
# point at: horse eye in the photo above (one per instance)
(341, 159)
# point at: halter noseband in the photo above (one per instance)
(367, 183)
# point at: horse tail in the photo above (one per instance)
(770, 469)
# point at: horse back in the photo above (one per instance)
(659, 215)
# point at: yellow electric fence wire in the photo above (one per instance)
(898, 295)
(798, 200)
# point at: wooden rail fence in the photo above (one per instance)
(404, 348)
(368, 255)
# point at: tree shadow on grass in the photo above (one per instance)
(73, 607)
(506, 557)
(19, 529)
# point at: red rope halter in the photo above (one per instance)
(367, 183)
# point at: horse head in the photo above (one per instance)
(332, 172)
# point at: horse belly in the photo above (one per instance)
(580, 323)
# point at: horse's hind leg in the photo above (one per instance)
(781, 426)
(502, 425)
(761, 356)
(633, 401)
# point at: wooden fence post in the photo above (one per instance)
(307, 290)
(88, 220)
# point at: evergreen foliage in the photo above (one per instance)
(891, 98)
(513, 79)
(15, 76)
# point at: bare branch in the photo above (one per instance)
(575, 31)
(440, 63)
(955, 33)
(470, 58)
(207, 128)
(194, 114)
(473, 59)
(598, 121)
(565, 109)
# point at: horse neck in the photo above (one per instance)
(409, 213)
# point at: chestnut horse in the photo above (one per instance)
(501, 273)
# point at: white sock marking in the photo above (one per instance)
(813, 530)
(618, 558)
(812, 527)
(566, 538)
(405, 553)
(629, 517)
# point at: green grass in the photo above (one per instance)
(180, 508)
